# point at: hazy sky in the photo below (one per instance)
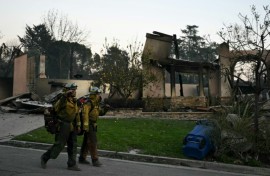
(126, 20)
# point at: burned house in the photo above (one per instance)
(159, 94)
(174, 95)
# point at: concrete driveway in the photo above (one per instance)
(12, 124)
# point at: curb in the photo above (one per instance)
(156, 159)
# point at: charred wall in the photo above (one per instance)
(6, 87)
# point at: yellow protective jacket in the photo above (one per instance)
(67, 110)
(90, 111)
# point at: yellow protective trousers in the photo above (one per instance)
(90, 143)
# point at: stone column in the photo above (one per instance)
(213, 86)
(225, 63)
(42, 67)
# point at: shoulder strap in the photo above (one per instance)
(91, 103)
(60, 103)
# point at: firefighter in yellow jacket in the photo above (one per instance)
(67, 111)
(91, 112)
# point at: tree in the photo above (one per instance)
(250, 41)
(63, 29)
(57, 60)
(68, 33)
(36, 39)
(66, 59)
(81, 60)
(8, 52)
(7, 56)
(194, 47)
(121, 69)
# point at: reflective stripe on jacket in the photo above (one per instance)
(90, 112)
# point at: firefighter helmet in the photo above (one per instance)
(71, 86)
(95, 90)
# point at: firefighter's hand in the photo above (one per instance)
(78, 130)
(85, 127)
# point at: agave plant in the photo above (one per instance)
(236, 123)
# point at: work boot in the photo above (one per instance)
(74, 168)
(43, 162)
(96, 163)
(83, 161)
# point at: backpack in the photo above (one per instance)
(51, 121)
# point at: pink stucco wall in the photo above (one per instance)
(20, 75)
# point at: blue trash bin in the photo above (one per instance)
(198, 142)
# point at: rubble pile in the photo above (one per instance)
(24, 103)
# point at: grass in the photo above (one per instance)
(160, 137)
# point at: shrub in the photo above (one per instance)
(238, 138)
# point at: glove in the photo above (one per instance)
(81, 133)
(78, 130)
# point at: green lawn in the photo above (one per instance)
(160, 137)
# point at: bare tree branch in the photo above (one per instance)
(64, 29)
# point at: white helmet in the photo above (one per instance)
(95, 90)
(71, 86)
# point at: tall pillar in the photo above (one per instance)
(201, 91)
(224, 62)
(42, 67)
(31, 74)
(213, 86)
(172, 76)
(20, 75)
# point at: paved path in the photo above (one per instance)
(12, 124)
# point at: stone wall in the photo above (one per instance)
(178, 115)
(173, 104)
(180, 102)
(133, 113)
(154, 104)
